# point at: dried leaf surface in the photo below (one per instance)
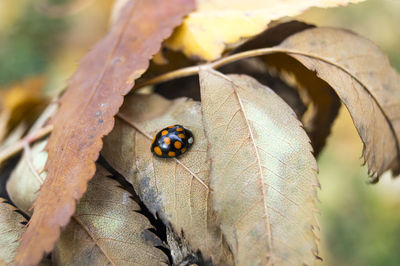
(26, 179)
(11, 229)
(168, 187)
(106, 73)
(263, 174)
(107, 229)
(366, 83)
(217, 24)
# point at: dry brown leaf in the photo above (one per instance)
(106, 73)
(366, 83)
(107, 229)
(218, 24)
(263, 174)
(168, 187)
(11, 229)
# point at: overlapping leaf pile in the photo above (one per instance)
(245, 192)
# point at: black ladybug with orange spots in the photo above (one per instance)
(172, 141)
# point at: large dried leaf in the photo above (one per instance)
(366, 83)
(263, 174)
(217, 24)
(11, 229)
(106, 73)
(168, 187)
(107, 229)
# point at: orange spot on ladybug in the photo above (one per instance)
(164, 132)
(171, 126)
(179, 129)
(154, 139)
(183, 150)
(167, 140)
(171, 154)
(181, 135)
(158, 151)
(177, 144)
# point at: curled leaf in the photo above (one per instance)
(263, 174)
(366, 83)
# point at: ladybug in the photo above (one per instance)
(172, 141)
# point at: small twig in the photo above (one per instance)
(19, 146)
(183, 72)
(188, 71)
(141, 131)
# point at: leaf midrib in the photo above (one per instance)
(264, 193)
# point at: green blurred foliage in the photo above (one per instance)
(26, 48)
(360, 222)
(377, 20)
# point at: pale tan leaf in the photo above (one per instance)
(216, 24)
(26, 179)
(366, 83)
(263, 174)
(169, 187)
(11, 229)
(107, 229)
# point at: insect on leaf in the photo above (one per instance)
(176, 190)
(86, 114)
(263, 174)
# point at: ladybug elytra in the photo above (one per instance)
(172, 141)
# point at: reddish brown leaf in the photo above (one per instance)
(86, 114)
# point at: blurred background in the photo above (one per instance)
(41, 43)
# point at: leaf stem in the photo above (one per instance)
(188, 71)
(19, 145)
(179, 73)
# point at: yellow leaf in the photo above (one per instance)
(207, 32)
(22, 101)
